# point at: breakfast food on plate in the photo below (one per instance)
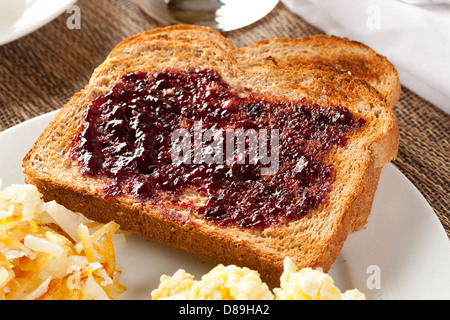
(330, 53)
(48, 252)
(221, 283)
(242, 156)
(234, 283)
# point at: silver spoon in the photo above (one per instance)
(223, 15)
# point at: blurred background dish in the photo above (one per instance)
(222, 15)
(21, 17)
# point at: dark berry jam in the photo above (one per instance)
(156, 135)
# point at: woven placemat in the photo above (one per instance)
(40, 72)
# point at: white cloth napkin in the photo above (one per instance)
(416, 39)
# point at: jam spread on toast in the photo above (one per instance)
(127, 138)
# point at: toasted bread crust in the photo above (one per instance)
(313, 241)
(329, 53)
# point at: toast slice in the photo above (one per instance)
(313, 240)
(329, 53)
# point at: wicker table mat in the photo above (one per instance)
(40, 72)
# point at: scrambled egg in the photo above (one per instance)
(221, 283)
(309, 284)
(49, 252)
(234, 283)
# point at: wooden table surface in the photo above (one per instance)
(41, 71)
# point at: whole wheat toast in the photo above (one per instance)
(329, 53)
(312, 241)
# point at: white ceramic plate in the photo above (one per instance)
(402, 253)
(21, 17)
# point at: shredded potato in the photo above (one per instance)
(49, 252)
